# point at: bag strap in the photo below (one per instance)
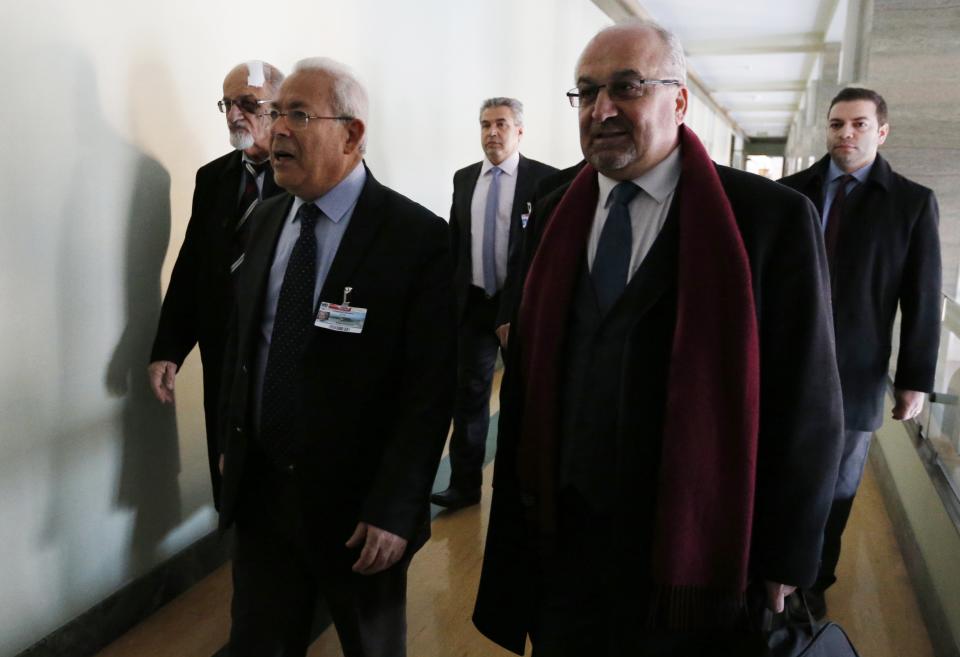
(814, 625)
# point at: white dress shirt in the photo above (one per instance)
(648, 209)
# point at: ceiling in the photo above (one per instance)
(753, 58)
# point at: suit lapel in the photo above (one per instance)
(270, 186)
(465, 203)
(523, 190)
(364, 225)
(228, 190)
(258, 259)
(658, 271)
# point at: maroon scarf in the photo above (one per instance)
(707, 470)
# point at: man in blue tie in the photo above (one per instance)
(490, 206)
(671, 401)
(881, 238)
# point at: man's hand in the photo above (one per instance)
(776, 593)
(503, 332)
(909, 404)
(162, 374)
(381, 549)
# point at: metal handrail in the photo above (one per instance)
(947, 488)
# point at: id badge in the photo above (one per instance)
(337, 317)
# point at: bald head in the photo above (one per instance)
(672, 62)
(633, 98)
(244, 86)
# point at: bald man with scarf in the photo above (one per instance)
(669, 407)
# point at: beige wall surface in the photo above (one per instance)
(914, 61)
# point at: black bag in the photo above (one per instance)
(786, 638)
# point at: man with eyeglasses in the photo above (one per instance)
(670, 404)
(340, 382)
(882, 243)
(491, 205)
(200, 295)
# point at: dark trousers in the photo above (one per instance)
(280, 569)
(592, 597)
(477, 347)
(856, 444)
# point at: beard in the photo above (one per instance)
(609, 157)
(241, 139)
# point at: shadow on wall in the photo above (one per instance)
(112, 236)
(150, 459)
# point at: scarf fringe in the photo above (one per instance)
(691, 608)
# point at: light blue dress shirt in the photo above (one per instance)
(337, 206)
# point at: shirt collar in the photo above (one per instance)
(659, 182)
(834, 172)
(508, 166)
(246, 158)
(337, 202)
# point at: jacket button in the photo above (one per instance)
(243, 368)
(238, 429)
(528, 500)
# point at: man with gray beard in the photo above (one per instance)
(200, 296)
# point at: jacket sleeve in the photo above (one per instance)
(920, 302)
(454, 229)
(401, 489)
(510, 294)
(801, 414)
(177, 329)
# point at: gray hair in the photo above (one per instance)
(674, 63)
(502, 101)
(348, 98)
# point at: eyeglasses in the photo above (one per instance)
(629, 89)
(298, 119)
(248, 104)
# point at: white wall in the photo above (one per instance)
(713, 129)
(110, 107)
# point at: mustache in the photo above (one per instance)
(613, 124)
(279, 144)
(240, 124)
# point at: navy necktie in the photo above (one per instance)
(611, 264)
(280, 404)
(490, 233)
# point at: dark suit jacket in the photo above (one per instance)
(200, 296)
(888, 252)
(377, 404)
(529, 172)
(800, 414)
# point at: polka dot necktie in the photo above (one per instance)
(280, 403)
